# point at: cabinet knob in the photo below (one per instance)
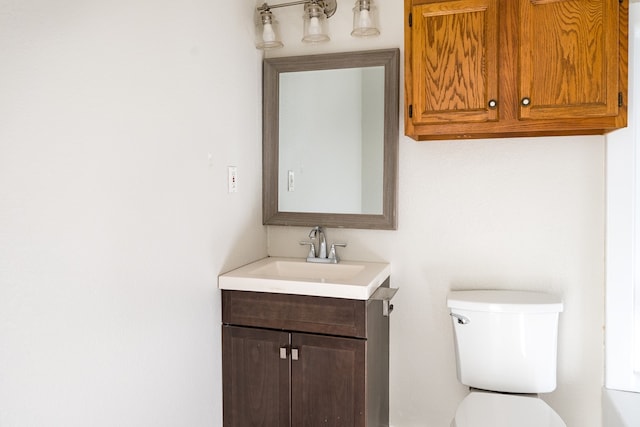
(525, 102)
(294, 354)
(492, 103)
(283, 352)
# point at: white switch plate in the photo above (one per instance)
(233, 179)
(291, 181)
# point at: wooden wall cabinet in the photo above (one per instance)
(502, 68)
(292, 360)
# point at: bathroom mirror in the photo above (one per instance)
(330, 139)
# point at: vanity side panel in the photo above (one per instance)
(377, 400)
(296, 313)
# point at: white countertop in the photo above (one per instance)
(347, 279)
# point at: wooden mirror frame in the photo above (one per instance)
(390, 59)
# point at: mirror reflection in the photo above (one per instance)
(331, 141)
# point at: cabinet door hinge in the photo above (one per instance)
(410, 111)
(620, 103)
(411, 20)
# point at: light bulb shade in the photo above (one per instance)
(315, 24)
(267, 31)
(365, 19)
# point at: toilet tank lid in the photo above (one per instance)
(501, 301)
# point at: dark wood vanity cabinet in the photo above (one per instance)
(487, 68)
(256, 382)
(293, 360)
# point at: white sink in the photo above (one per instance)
(348, 279)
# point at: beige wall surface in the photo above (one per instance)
(505, 214)
(522, 213)
(117, 123)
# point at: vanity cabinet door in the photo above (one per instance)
(328, 381)
(256, 382)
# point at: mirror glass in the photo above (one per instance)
(331, 139)
(335, 168)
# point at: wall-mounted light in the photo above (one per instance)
(316, 13)
(269, 35)
(365, 19)
(315, 23)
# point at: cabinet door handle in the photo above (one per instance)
(492, 103)
(294, 354)
(283, 352)
(525, 102)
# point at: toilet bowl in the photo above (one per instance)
(480, 409)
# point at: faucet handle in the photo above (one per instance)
(312, 249)
(333, 256)
(315, 231)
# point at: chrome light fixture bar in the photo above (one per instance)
(316, 13)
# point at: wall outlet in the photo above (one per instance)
(232, 179)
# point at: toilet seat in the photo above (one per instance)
(481, 409)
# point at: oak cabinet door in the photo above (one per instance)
(569, 59)
(256, 382)
(454, 62)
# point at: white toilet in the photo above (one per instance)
(506, 347)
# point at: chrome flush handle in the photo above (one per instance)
(462, 320)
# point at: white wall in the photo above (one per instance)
(623, 239)
(506, 213)
(117, 123)
(114, 221)
(620, 408)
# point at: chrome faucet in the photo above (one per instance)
(318, 234)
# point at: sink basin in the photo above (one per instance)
(295, 269)
(348, 279)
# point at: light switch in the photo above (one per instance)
(291, 181)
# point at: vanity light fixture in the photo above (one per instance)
(270, 31)
(364, 19)
(315, 23)
(316, 13)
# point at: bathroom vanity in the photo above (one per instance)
(294, 359)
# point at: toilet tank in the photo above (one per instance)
(506, 341)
